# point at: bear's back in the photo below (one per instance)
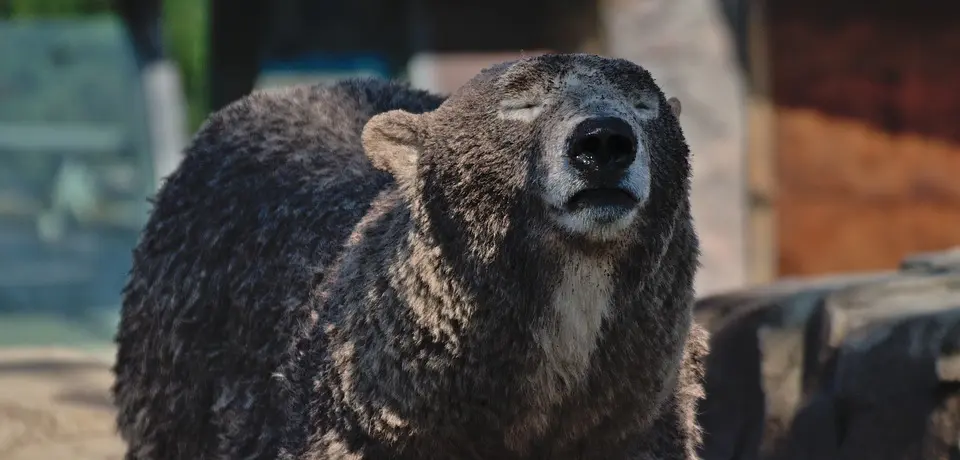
(241, 232)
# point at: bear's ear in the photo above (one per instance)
(674, 106)
(392, 141)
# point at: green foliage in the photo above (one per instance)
(185, 31)
(185, 34)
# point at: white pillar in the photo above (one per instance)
(685, 44)
(167, 115)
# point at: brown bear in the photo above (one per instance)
(367, 271)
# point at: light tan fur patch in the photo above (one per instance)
(569, 335)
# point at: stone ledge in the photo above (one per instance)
(821, 368)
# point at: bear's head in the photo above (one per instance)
(572, 147)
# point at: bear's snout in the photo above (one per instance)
(602, 149)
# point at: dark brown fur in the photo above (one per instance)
(289, 300)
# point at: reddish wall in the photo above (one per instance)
(868, 131)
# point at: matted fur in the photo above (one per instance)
(289, 300)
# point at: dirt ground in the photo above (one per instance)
(54, 404)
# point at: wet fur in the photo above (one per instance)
(289, 300)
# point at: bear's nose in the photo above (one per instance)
(602, 145)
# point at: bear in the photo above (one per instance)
(364, 270)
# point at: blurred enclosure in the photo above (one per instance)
(824, 132)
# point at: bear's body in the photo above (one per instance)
(290, 300)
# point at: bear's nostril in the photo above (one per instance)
(622, 150)
(620, 145)
(586, 150)
(603, 145)
(591, 144)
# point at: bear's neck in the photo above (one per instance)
(493, 341)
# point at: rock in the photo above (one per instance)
(883, 386)
(941, 261)
(948, 361)
(756, 361)
(823, 368)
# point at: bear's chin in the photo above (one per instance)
(598, 223)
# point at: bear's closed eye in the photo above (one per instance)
(520, 104)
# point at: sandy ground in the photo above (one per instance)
(54, 404)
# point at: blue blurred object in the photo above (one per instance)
(320, 67)
(322, 62)
(75, 171)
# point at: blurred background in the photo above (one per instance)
(825, 134)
